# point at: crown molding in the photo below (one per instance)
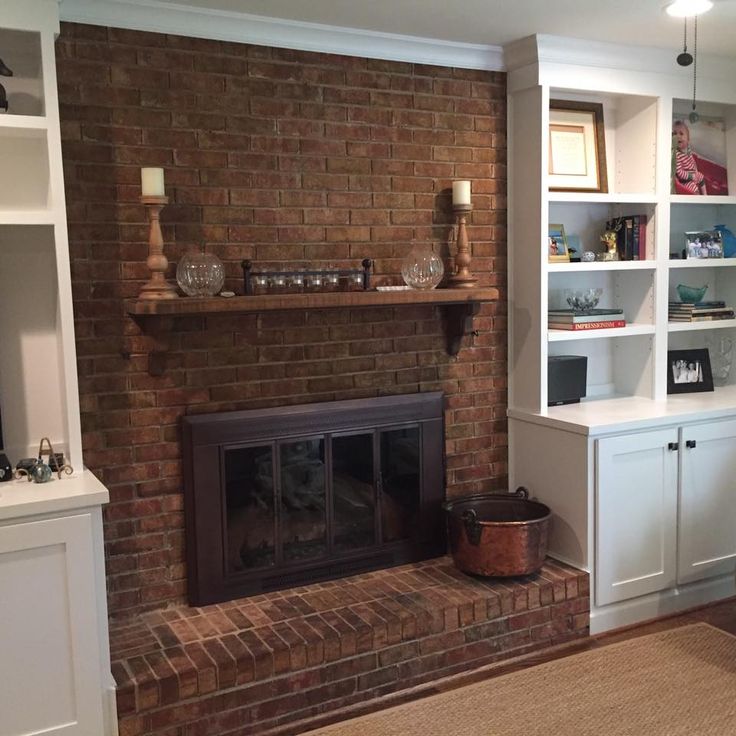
(543, 49)
(184, 20)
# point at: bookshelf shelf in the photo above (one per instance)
(628, 331)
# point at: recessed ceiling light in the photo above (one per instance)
(686, 8)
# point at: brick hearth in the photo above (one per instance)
(255, 664)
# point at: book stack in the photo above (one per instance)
(699, 312)
(590, 319)
(631, 236)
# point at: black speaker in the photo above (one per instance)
(566, 379)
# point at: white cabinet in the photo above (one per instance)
(655, 528)
(707, 528)
(54, 651)
(636, 515)
(648, 508)
(51, 661)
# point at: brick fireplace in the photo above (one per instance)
(283, 157)
(289, 159)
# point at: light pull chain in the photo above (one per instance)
(694, 117)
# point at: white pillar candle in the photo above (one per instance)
(460, 192)
(152, 183)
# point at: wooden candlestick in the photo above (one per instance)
(157, 287)
(462, 278)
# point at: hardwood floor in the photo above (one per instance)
(722, 615)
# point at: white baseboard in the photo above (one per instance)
(110, 709)
(664, 603)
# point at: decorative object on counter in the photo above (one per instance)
(154, 199)
(462, 278)
(588, 256)
(557, 251)
(39, 470)
(691, 294)
(583, 300)
(498, 535)
(4, 72)
(728, 239)
(610, 243)
(200, 274)
(720, 349)
(227, 294)
(257, 283)
(704, 244)
(688, 371)
(6, 469)
(574, 248)
(577, 147)
(422, 268)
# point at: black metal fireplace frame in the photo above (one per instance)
(203, 439)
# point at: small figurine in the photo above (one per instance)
(609, 240)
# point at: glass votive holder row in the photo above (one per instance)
(298, 283)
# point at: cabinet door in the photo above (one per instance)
(49, 651)
(707, 529)
(636, 515)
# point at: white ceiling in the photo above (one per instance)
(496, 22)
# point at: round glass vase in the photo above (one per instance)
(200, 274)
(422, 268)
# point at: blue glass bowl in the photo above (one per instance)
(691, 294)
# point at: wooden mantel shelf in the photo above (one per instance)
(273, 302)
(458, 305)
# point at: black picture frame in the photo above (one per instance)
(689, 371)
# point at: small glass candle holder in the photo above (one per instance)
(277, 284)
(355, 282)
(314, 282)
(259, 283)
(296, 283)
(332, 280)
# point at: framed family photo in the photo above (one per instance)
(688, 371)
(704, 244)
(577, 147)
(558, 251)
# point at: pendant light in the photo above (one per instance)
(686, 8)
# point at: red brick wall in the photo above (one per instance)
(285, 157)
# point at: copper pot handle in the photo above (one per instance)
(472, 526)
(521, 492)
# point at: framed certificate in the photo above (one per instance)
(577, 147)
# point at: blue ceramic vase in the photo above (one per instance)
(729, 241)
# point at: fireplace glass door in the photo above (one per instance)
(296, 506)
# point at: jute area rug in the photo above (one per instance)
(677, 682)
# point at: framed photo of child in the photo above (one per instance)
(699, 155)
(557, 245)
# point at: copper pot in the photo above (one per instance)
(498, 535)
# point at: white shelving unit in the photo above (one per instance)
(38, 374)
(628, 439)
(54, 637)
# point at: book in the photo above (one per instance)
(697, 305)
(702, 317)
(600, 325)
(700, 312)
(580, 317)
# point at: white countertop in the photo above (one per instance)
(632, 413)
(21, 498)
